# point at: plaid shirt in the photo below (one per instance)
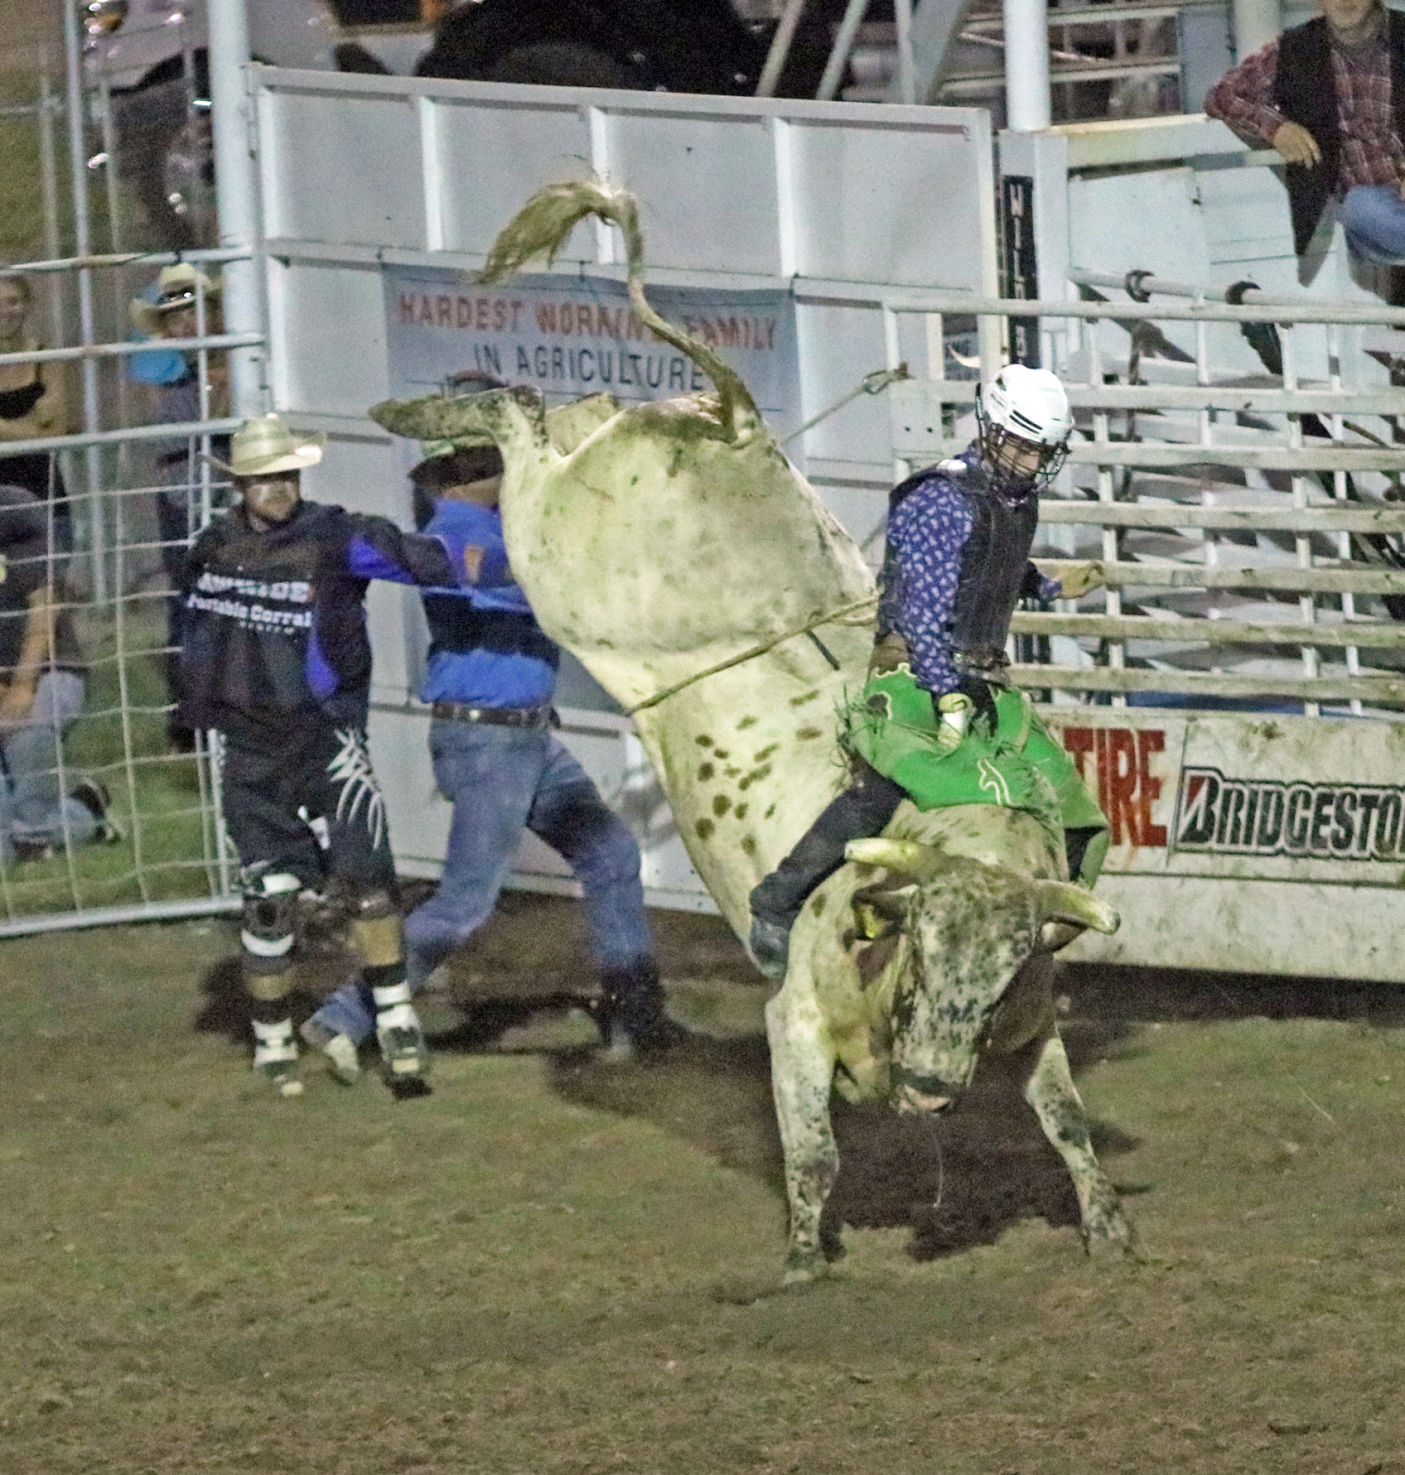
(1371, 148)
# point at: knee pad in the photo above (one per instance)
(375, 928)
(269, 927)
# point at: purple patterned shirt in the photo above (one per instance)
(926, 535)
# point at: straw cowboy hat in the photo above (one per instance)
(177, 286)
(264, 446)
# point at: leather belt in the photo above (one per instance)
(494, 716)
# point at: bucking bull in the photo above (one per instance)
(677, 553)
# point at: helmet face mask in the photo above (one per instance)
(1024, 423)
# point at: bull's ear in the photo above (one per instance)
(1066, 909)
(879, 910)
(904, 856)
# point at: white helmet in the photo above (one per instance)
(1029, 406)
(1029, 403)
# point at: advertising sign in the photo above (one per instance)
(573, 336)
(1254, 797)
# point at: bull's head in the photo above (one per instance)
(971, 929)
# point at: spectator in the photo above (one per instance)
(33, 403)
(180, 501)
(42, 692)
(1329, 96)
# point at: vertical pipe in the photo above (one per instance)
(1307, 603)
(123, 465)
(83, 246)
(1107, 492)
(49, 194)
(1027, 104)
(56, 304)
(236, 192)
(1255, 22)
(109, 168)
(907, 71)
(839, 54)
(1341, 493)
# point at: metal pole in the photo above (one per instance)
(843, 45)
(1027, 104)
(83, 246)
(780, 48)
(1255, 23)
(907, 74)
(236, 190)
(49, 192)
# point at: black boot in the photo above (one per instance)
(630, 1012)
(863, 809)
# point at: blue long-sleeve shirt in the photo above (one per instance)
(486, 648)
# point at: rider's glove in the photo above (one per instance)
(954, 712)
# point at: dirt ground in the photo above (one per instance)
(557, 1265)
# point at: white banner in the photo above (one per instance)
(573, 336)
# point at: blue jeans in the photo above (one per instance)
(500, 780)
(32, 803)
(1373, 217)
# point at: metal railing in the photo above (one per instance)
(1249, 524)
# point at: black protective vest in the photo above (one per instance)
(1305, 91)
(457, 625)
(273, 625)
(248, 622)
(994, 566)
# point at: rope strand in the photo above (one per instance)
(750, 654)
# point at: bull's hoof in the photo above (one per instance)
(804, 1266)
(832, 1245)
(1110, 1237)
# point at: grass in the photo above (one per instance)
(558, 1266)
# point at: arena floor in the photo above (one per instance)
(558, 1266)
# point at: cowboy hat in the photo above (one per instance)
(265, 446)
(177, 286)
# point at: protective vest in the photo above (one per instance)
(1305, 91)
(486, 648)
(274, 624)
(994, 564)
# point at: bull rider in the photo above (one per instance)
(937, 721)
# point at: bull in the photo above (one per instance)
(676, 552)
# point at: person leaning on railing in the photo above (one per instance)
(1329, 96)
(42, 690)
(34, 402)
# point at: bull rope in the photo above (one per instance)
(874, 383)
(750, 654)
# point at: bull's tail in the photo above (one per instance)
(542, 226)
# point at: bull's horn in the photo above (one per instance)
(1062, 901)
(502, 415)
(904, 856)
